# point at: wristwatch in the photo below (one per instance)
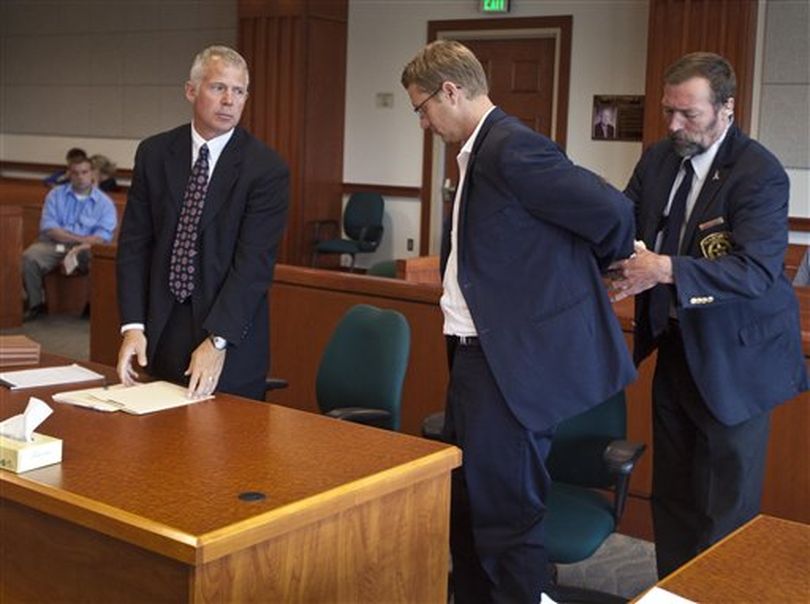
(217, 342)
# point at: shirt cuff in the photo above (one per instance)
(128, 326)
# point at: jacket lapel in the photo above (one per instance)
(495, 116)
(669, 170)
(223, 178)
(178, 167)
(715, 179)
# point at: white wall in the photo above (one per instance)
(384, 145)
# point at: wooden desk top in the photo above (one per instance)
(170, 481)
(766, 560)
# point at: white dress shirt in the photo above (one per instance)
(457, 318)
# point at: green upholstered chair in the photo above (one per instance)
(363, 366)
(383, 268)
(362, 223)
(588, 452)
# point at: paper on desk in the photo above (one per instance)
(661, 596)
(48, 376)
(22, 426)
(138, 400)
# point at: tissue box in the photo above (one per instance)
(19, 456)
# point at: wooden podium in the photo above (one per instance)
(226, 500)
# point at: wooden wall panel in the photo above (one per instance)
(10, 275)
(297, 53)
(677, 27)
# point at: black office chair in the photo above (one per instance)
(362, 223)
(588, 452)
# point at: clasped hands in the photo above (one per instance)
(640, 272)
(203, 370)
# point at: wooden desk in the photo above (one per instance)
(764, 561)
(147, 508)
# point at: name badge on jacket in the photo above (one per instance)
(715, 245)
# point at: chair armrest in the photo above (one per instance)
(621, 456)
(275, 384)
(362, 415)
(370, 237)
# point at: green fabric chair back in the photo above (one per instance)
(365, 361)
(579, 519)
(577, 446)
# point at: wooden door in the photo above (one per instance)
(520, 73)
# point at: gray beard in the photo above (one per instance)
(685, 148)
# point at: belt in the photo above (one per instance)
(467, 340)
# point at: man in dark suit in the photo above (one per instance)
(604, 128)
(711, 210)
(533, 335)
(198, 242)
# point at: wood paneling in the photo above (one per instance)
(296, 50)
(677, 27)
(11, 222)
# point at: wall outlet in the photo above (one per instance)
(384, 100)
(409, 244)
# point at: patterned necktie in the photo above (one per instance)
(181, 269)
(661, 295)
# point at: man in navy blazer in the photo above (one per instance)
(727, 334)
(533, 334)
(214, 333)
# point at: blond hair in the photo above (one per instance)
(442, 61)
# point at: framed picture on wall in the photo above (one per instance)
(617, 117)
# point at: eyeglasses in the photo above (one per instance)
(420, 108)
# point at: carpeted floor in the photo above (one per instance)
(623, 565)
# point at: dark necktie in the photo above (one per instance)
(181, 269)
(661, 295)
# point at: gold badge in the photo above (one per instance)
(715, 245)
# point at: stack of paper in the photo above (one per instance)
(47, 376)
(138, 400)
(18, 350)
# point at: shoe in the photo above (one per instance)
(33, 312)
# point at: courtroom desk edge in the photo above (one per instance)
(677, 582)
(356, 283)
(271, 524)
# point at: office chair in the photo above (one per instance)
(588, 451)
(362, 223)
(384, 268)
(363, 366)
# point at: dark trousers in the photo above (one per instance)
(498, 495)
(707, 477)
(173, 354)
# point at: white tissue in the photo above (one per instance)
(21, 427)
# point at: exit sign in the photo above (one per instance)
(494, 6)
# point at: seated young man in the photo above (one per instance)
(75, 216)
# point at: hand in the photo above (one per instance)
(642, 271)
(133, 344)
(204, 369)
